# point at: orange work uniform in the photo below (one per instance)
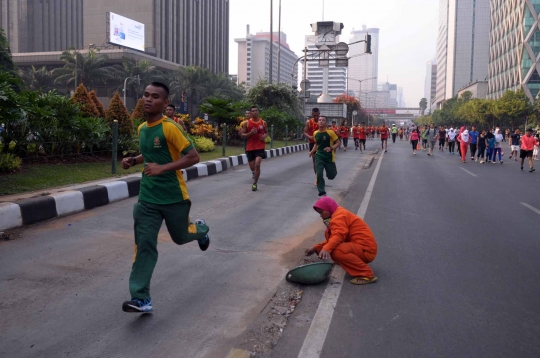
(350, 242)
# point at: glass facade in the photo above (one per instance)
(514, 47)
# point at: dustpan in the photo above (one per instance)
(310, 274)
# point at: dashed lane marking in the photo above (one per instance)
(531, 207)
(466, 171)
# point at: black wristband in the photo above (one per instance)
(134, 161)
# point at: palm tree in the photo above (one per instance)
(38, 79)
(195, 81)
(423, 105)
(88, 68)
(145, 70)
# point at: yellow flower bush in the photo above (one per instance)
(203, 144)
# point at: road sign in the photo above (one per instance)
(305, 85)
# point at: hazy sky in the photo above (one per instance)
(408, 31)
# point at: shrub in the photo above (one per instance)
(97, 103)
(82, 97)
(203, 144)
(117, 111)
(201, 129)
(9, 163)
(137, 116)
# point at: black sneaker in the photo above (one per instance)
(138, 306)
(521, 168)
(532, 170)
(203, 243)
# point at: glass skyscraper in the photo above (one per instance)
(515, 47)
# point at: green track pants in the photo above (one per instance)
(148, 220)
(331, 172)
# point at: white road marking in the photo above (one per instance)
(320, 325)
(442, 156)
(465, 170)
(531, 207)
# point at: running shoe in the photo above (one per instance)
(254, 187)
(472, 158)
(203, 243)
(494, 162)
(138, 306)
(522, 168)
(516, 159)
(481, 162)
(363, 280)
(501, 161)
(532, 170)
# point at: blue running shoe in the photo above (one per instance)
(138, 306)
(203, 243)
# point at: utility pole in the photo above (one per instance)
(271, 41)
(279, 47)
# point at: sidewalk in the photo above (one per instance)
(28, 208)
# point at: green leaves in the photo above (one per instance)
(220, 109)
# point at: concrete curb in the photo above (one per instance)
(368, 162)
(32, 210)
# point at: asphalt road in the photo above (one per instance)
(458, 265)
(62, 282)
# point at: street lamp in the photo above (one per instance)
(359, 81)
(137, 78)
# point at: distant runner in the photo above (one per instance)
(326, 143)
(256, 131)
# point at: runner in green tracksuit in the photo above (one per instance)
(326, 142)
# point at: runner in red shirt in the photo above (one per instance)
(312, 125)
(527, 148)
(344, 133)
(256, 131)
(356, 136)
(363, 135)
(383, 131)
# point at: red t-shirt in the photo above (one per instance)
(312, 127)
(356, 132)
(527, 143)
(384, 132)
(344, 132)
(363, 133)
(254, 142)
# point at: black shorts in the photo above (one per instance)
(311, 145)
(252, 154)
(345, 141)
(383, 139)
(441, 141)
(363, 141)
(525, 154)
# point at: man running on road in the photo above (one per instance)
(312, 125)
(515, 140)
(170, 112)
(356, 136)
(527, 147)
(163, 195)
(326, 143)
(256, 131)
(383, 131)
(344, 133)
(431, 135)
(394, 133)
(362, 135)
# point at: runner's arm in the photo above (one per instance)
(263, 137)
(306, 130)
(313, 150)
(244, 133)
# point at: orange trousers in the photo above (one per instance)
(353, 259)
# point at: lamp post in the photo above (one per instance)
(138, 78)
(359, 81)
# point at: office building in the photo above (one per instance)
(184, 32)
(254, 59)
(514, 48)
(462, 46)
(363, 66)
(337, 76)
(430, 82)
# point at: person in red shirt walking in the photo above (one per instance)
(256, 131)
(312, 125)
(527, 147)
(356, 136)
(383, 131)
(344, 133)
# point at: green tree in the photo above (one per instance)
(220, 109)
(477, 111)
(38, 79)
(88, 68)
(117, 111)
(513, 107)
(143, 70)
(12, 111)
(195, 81)
(423, 105)
(88, 108)
(6, 61)
(280, 96)
(97, 103)
(138, 116)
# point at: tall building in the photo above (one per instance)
(337, 77)
(254, 59)
(43, 26)
(462, 45)
(363, 66)
(514, 47)
(430, 83)
(392, 90)
(184, 32)
(400, 99)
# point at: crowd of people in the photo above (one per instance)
(485, 146)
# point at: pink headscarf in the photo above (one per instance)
(462, 129)
(327, 204)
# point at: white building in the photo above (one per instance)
(462, 45)
(400, 100)
(430, 84)
(254, 59)
(337, 77)
(363, 66)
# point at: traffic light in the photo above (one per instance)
(367, 48)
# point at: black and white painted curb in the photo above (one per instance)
(32, 210)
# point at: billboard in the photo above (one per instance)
(125, 32)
